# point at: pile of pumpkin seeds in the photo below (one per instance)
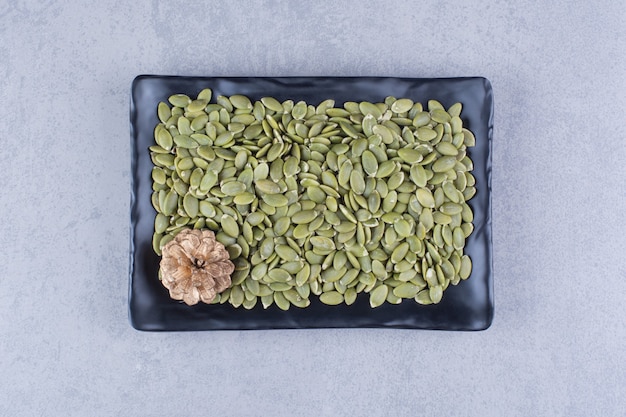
(330, 201)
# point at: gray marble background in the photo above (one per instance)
(556, 347)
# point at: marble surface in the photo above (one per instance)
(556, 346)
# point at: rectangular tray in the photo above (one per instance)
(467, 306)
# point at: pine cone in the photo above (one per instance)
(195, 267)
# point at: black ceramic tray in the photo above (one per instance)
(467, 306)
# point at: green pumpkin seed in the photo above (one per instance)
(385, 169)
(444, 164)
(241, 102)
(304, 217)
(164, 139)
(244, 198)
(286, 253)
(399, 252)
(378, 269)
(402, 105)
(378, 295)
(196, 106)
(224, 138)
(258, 272)
(278, 275)
(451, 209)
(233, 188)
(357, 182)
(159, 176)
(440, 116)
(421, 119)
(426, 134)
(386, 136)
(466, 267)
(455, 110)
(316, 194)
(418, 175)
(447, 148)
(403, 228)
(369, 108)
(281, 226)
(230, 226)
(469, 139)
(369, 163)
(440, 218)
(435, 294)
(164, 112)
(281, 301)
(170, 203)
(349, 130)
(272, 104)
(332, 298)
(190, 204)
(350, 296)
(275, 200)
(406, 290)
(179, 100)
(206, 209)
(161, 222)
(458, 238)
(409, 155)
(322, 243)
(332, 274)
(390, 201)
(423, 297)
(299, 110)
(206, 152)
(395, 180)
(267, 186)
(425, 197)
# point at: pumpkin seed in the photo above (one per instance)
(179, 100)
(426, 134)
(230, 226)
(406, 290)
(450, 208)
(322, 243)
(458, 238)
(369, 108)
(369, 163)
(331, 298)
(190, 204)
(455, 110)
(466, 267)
(435, 293)
(275, 200)
(409, 155)
(402, 105)
(447, 148)
(425, 197)
(304, 217)
(281, 301)
(444, 164)
(233, 188)
(244, 198)
(357, 182)
(439, 115)
(399, 252)
(278, 275)
(378, 295)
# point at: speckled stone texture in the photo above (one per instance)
(556, 347)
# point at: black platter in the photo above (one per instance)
(467, 306)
